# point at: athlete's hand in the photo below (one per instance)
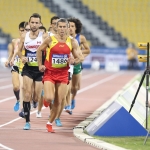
(42, 68)
(7, 63)
(12, 62)
(71, 60)
(24, 60)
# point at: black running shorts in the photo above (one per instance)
(15, 69)
(32, 72)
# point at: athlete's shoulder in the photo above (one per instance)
(23, 36)
(71, 37)
(82, 38)
(74, 41)
(45, 35)
(10, 45)
(15, 41)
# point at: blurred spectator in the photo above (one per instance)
(132, 57)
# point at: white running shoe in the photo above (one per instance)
(38, 114)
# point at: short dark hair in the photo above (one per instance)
(53, 18)
(77, 23)
(25, 24)
(42, 27)
(21, 24)
(63, 20)
(35, 15)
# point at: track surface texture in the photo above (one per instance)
(96, 88)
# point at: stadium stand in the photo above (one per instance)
(123, 21)
(64, 14)
(91, 14)
(21, 11)
(129, 18)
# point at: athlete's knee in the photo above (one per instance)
(37, 98)
(57, 103)
(16, 87)
(74, 89)
(48, 98)
(27, 95)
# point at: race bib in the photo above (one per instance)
(16, 61)
(32, 59)
(59, 60)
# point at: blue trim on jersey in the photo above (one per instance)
(78, 38)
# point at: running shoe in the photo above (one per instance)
(45, 103)
(65, 108)
(16, 106)
(38, 114)
(68, 109)
(73, 104)
(58, 122)
(49, 128)
(34, 104)
(21, 114)
(27, 126)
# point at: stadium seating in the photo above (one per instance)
(91, 14)
(18, 11)
(128, 17)
(63, 14)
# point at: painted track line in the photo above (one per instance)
(80, 91)
(5, 79)
(100, 82)
(7, 99)
(6, 87)
(4, 147)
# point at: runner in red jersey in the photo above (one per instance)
(56, 66)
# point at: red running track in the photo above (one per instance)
(96, 89)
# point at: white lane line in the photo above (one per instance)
(5, 147)
(7, 99)
(80, 91)
(18, 118)
(89, 75)
(83, 77)
(100, 82)
(5, 79)
(5, 87)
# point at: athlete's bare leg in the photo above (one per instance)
(75, 86)
(21, 90)
(40, 105)
(27, 86)
(16, 88)
(60, 92)
(68, 96)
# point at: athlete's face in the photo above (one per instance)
(34, 24)
(54, 25)
(72, 28)
(21, 31)
(27, 28)
(62, 28)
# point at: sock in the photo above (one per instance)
(49, 123)
(26, 107)
(17, 95)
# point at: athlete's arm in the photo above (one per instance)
(10, 54)
(15, 47)
(86, 50)
(41, 48)
(78, 57)
(45, 35)
(20, 47)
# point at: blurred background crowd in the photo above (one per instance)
(112, 27)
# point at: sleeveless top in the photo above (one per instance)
(57, 55)
(31, 46)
